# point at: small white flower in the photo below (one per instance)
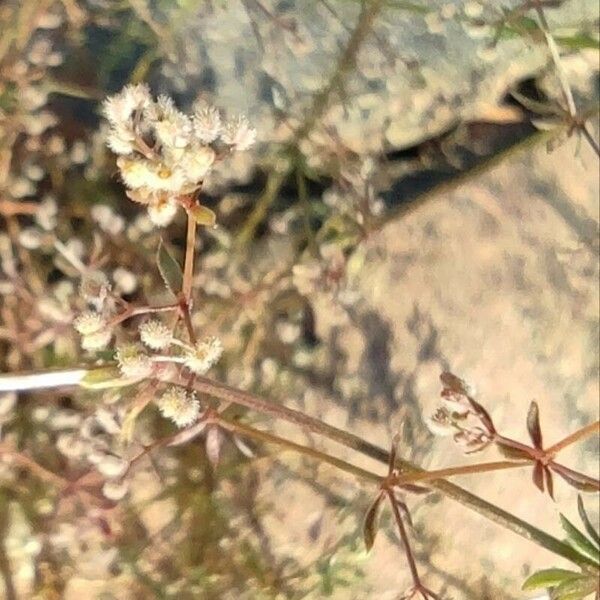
(239, 134)
(133, 361)
(204, 355)
(162, 213)
(207, 123)
(112, 466)
(89, 322)
(125, 281)
(155, 335)
(31, 238)
(174, 130)
(115, 490)
(137, 172)
(179, 406)
(121, 139)
(96, 341)
(46, 213)
(197, 162)
(120, 107)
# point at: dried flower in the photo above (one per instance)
(204, 355)
(179, 406)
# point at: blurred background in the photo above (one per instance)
(417, 201)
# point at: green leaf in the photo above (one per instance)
(371, 523)
(592, 532)
(578, 41)
(576, 588)
(579, 542)
(548, 578)
(203, 215)
(169, 269)
(104, 378)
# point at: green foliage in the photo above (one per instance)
(565, 584)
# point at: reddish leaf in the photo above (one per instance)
(533, 425)
(511, 452)
(585, 485)
(538, 476)
(549, 482)
(371, 523)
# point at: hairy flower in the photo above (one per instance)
(204, 355)
(239, 134)
(196, 163)
(162, 213)
(89, 322)
(207, 123)
(133, 361)
(155, 335)
(120, 107)
(179, 406)
(96, 341)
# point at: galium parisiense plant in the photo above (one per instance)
(163, 157)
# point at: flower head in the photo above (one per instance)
(204, 355)
(155, 335)
(207, 123)
(89, 322)
(133, 361)
(239, 134)
(179, 406)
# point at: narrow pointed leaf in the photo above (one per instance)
(591, 530)
(578, 541)
(538, 476)
(549, 482)
(533, 425)
(576, 588)
(371, 523)
(580, 484)
(214, 441)
(514, 453)
(548, 578)
(169, 269)
(105, 378)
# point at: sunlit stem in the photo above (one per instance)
(580, 434)
(190, 248)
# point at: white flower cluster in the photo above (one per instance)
(94, 330)
(203, 355)
(180, 406)
(164, 153)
